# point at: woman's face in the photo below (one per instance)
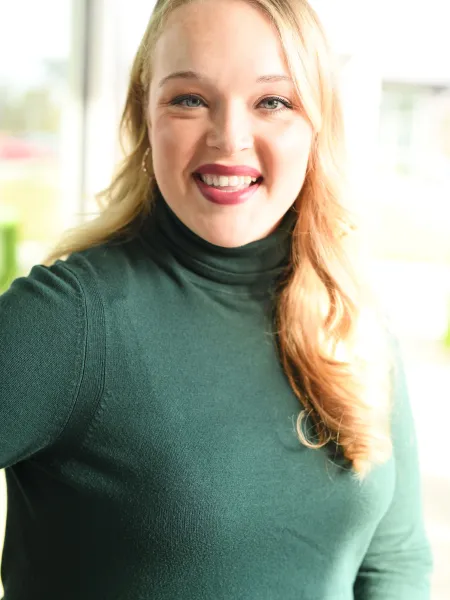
(221, 94)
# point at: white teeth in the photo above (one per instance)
(223, 181)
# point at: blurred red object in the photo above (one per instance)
(12, 148)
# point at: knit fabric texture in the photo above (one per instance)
(148, 434)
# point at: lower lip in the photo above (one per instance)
(218, 196)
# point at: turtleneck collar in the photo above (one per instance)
(254, 266)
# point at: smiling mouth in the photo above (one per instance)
(243, 184)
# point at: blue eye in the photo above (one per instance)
(193, 101)
(285, 104)
(180, 100)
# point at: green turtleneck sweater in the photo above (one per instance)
(147, 431)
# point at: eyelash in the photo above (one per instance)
(286, 104)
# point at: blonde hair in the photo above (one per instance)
(330, 337)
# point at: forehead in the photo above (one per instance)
(219, 36)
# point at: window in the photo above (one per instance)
(34, 130)
(40, 112)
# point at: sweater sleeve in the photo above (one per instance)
(43, 329)
(398, 562)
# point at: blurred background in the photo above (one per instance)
(63, 76)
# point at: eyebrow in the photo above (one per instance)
(198, 77)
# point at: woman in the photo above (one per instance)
(199, 402)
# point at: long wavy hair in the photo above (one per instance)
(331, 338)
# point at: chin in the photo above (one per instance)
(230, 231)
(221, 237)
(225, 241)
(232, 240)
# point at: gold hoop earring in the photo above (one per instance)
(144, 161)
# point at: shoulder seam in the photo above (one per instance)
(97, 396)
(81, 376)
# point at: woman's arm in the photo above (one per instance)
(398, 562)
(43, 329)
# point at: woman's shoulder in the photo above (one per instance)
(50, 324)
(110, 267)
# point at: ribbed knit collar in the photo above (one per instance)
(254, 266)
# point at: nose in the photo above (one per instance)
(230, 130)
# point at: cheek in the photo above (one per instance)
(164, 140)
(290, 151)
(174, 143)
(296, 138)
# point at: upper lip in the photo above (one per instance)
(215, 169)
